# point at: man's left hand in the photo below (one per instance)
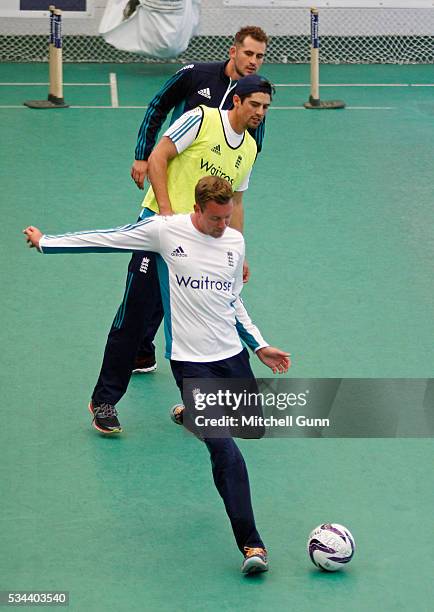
(275, 359)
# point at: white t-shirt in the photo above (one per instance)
(200, 280)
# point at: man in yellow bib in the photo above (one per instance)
(203, 141)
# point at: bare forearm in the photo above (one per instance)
(237, 220)
(158, 177)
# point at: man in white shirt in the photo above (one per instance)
(200, 271)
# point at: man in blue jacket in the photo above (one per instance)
(211, 84)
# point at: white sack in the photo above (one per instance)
(158, 28)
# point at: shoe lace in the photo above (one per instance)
(106, 411)
(250, 552)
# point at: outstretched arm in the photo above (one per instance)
(142, 236)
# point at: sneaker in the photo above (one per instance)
(255, 560)
(144, 364)
(105, 418)
(176, 413)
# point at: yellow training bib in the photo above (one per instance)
(209, 154)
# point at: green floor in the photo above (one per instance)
(340, 241)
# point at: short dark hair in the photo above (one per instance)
(253, 31)
(212, 188)
(253, 83)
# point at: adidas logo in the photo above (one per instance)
(216, 149)
(144, 265)
(205, 93)
(178, 252)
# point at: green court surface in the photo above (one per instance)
(340, 240)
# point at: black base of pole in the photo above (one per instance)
(316, 103)
(51, 102)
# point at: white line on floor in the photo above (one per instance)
(64, 84)
(346, 108)
(114, 90)
(276, 84)
(356, 84)
(144, 107)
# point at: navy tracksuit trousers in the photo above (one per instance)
(134, 327)
(228, 467)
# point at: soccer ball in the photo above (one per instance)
(330, 546)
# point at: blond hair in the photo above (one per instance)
(212, 188)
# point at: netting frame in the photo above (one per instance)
(362, 36)
(93, 49)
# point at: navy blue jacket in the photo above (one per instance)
(192, 85)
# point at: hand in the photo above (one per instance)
(139, 172)
(246, 272)
(275, 359)
(33, 236)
